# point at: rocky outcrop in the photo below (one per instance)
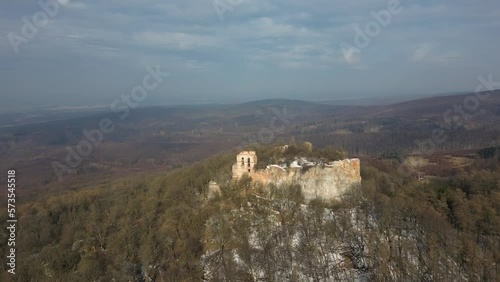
(213, 189)
(324, 182)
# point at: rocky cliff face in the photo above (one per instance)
(325, 182)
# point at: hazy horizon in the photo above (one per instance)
(347, 101)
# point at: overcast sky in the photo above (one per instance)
(90, 52)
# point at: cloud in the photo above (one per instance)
(98, 46)
(425, 54)
(76, 5)
(63, 2)
(447, 57)
(175, 40)
(421, 53)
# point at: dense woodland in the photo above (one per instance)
(161, 227)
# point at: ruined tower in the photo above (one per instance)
(245, 163)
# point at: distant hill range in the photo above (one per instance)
(383, 100)
(438, 105)
(377, 106)
(164, 137)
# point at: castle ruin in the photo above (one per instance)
(318, 180)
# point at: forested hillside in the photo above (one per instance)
(160, 227)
